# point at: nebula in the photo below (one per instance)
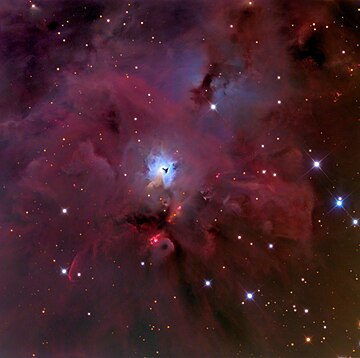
(171, 176)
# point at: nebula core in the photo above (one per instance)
(179, 178)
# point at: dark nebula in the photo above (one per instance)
(179, 178)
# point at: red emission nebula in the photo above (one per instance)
(179, 178)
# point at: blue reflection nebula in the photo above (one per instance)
(161, 165)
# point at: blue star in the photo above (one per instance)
(339, 201)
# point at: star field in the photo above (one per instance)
(179, 178)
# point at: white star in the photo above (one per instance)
(249, 296)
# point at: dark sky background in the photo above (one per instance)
(179, 178)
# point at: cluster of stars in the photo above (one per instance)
(339, 201)
(164, 168)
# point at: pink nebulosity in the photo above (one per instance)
(159, 151)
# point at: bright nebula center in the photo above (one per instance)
(161, 168)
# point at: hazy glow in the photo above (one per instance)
(161, 166)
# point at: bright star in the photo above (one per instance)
(249, 296)
(316, 164)
(271, 246)
(339, 201)
(64, 271)
(64, 210)
(355, 222)
(207, 283)
(213, 107)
